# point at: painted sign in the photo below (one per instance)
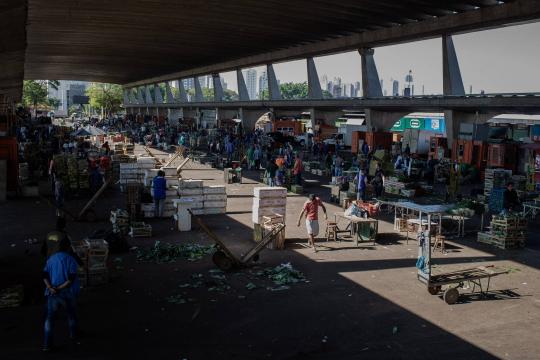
(535, 133)
(429, 124)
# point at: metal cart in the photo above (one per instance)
(472, 276)
(224, 259)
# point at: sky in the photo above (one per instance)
(498, 60)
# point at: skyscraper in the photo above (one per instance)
(395, 88)
(67, 89)
(189, 83)
(251, 83)
(263, 82)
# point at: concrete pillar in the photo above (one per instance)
(140, 96)
(452, 81)
(148, 95)
(182, 94)
(242, 88)
(371, 85)
(314, 85)
(157, 94)
(218, 89)
(198, 91)
(169, 93)
(126, 97)
(382, 120)
(273, 86)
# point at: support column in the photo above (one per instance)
(148, 96)
(126, 97)
(198, 91)
(452, 81)
(273, 86)
(182, 94)
(218, 89)
(382, 120)
(169, 93)
(157, 94)
(371, 85)
(314, 85)
(140, 96)
(242, 88)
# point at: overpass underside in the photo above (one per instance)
(141, 44)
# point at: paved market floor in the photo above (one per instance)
(360, 302)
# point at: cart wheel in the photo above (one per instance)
(222, 261)
(434, 290)
(90, 215)
(451, 296)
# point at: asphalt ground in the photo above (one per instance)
(359, 302)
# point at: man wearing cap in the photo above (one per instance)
(311, 209)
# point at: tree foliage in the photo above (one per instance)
(34, 93)
(292, 91)
(106, 96)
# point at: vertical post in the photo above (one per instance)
(371, 85)
(158, 97)
(169, 93)
(198, 91)
(273, 86)
(182, 94)
(452, 81)
(218, 89)
(242, 88)
(140, 96)
(314, 85)
(148, 97)
(126, 97)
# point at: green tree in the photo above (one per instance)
(289, 91)
(34, 93)
(108, 97)
(54, 103)
(208, 94)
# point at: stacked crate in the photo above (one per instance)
(73, 173)
(192, 190)
(215, 199)
(268, 201)
(128, 149)
(94, 254)
(506, 232)
(496, 179)
(118, 148)
(393, 186)
(129, 173)
(140, 229)
(269, 207)
(120, 221)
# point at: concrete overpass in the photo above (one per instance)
(140, 44)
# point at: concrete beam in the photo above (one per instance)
(452, 81)
(273, 86)
(314, 85)
(514, 12)
(371, 85)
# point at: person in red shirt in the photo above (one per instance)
(311, 209)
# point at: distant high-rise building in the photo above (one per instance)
(189, 83)
(357, 89)
(395, 88)
(250, 77)
(382, 84)
(352, 90)
(223, 83)
(67, 89)
(263, 82)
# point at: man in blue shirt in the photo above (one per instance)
(361, 184)
(229, 147)
(62, 289)
(159, 184)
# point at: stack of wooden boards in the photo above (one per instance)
(269, 207)
(505, 232)
(140, 229)
(135, 172)
(94, 254)
(120, 221)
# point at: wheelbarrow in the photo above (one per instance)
(225, 260)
